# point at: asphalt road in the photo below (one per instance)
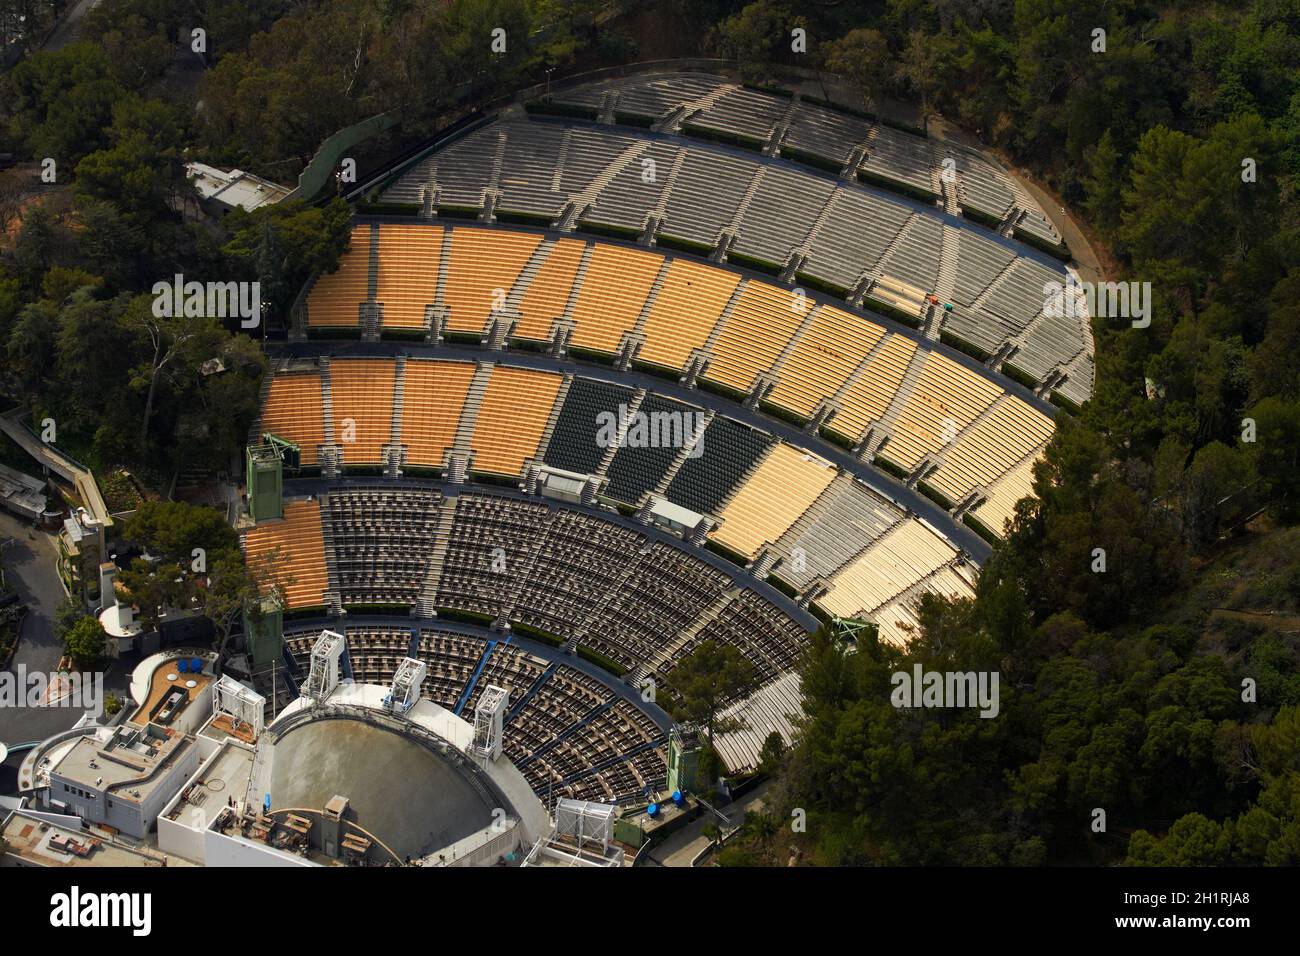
(29, 564)
(66, 31)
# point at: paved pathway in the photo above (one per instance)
(29, 563)
(684, 845)
(69, 27)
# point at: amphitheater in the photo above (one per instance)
(849, 315)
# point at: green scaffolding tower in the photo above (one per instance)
(265, 474)
(683, 758)
(264, 633)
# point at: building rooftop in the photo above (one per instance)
(168, 679)
(111, 758)
(22, 493)
(233, 188)
(223, 777)
(37, 841)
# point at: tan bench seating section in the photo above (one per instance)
(291, 550)
(294, 410)
(761, 323)
(685, 311)
(512, 417)
(832, 347)
(614, 289)
(433, 394)
(408, 273)
(361, 392)
(782, 488)
(335, 298)
(483, 269)
(548, 293)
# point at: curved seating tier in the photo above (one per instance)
(764, 499)
(920, 410)
(765, 213)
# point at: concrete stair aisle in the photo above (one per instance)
(837, 400)
(330, 455)
(662, 488)
(436, 313)
(660, 209)
(752, 470)
(469, 413)
(655, 288)
(333, 589)
(632, 408)
(992, 286)
(545, 441)
(896, 405)
(394, 453)
(672, 123)
(607, 103)
(706, 617)
(583, 200)
(809, 316)
(733, 228)
(427, 601)
(881, 264)
(781, 128)
(563, 326)
(503, 322)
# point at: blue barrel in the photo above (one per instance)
(677, 797)
(183, 665)
(652, 810)
(196, 665)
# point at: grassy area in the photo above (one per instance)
(120, 490)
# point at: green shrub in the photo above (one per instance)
(979, 527)
(1056, 250)
(523, 218)
(812, 159)
(1018, 375)
(608, 229)
(547, 107)
(981, 217)
(961, 345)
(821, 285)
(897, 186)
(684, 245)
(755, 263)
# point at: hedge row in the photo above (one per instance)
(897, 186)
